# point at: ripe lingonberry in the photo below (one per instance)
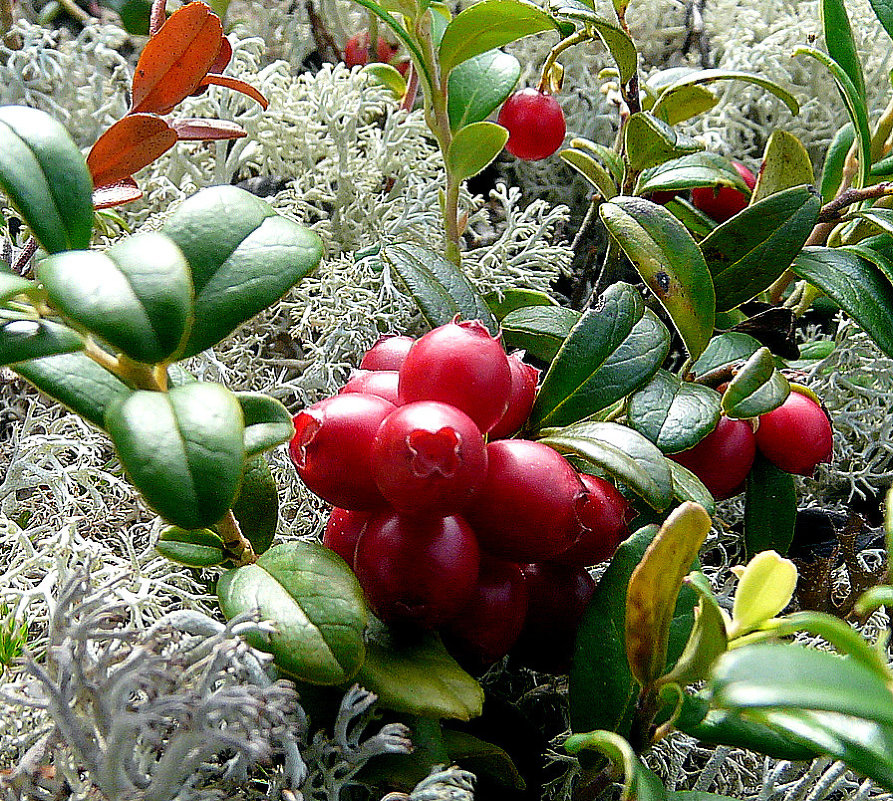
(723, 458)
(356, 51)
(462, 365)
(528, 507)
(332, 446)
(388, 353)
(521, 397)
(428, 458)
(343, 529)
(417, 570)
(796, 436)
(374, 382)
(604, 517)
(723, 202)
(535, 123)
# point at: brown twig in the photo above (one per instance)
(325, 43)
(831, 211)
(7, 20)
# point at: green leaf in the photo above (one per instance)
(612, 350)
(701, 77)
(387, 76)
(749, 251)
(602, 690)
(688, 172)
(257, 506)
(607, 157)
(137, 296)
(883, 10)
(879, 258)
(182, 449)
(688, 487)
(483, 759)
(674, 414)
(726, 350)
(242, 255)
(134, 14)
(669, 261)
(45, 176)
(640, 784)
(835, 157)
(650, 141)
(77, 382)
(21, 340)
(504, 302)
(770, 509)
(757, 388)
(489, 24)
(267, 422)
(540, 330)
(685, 103)
(855, 285)
(418, 676)
(12, 285)
(313, 599)
(474, 147)
(622, 453)
(882, 218)
(193, 548)
(855, 106)
(840, 43)
(785, 164)
(591, 170)
(698, 223)
(477, 86)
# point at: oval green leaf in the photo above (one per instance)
(785, 164)
(267, 422)
(540, 330)
(835, 157)
(725, 350)
(757, 388)
(592, 171)
(609, 159)
(21, 340)
(193, 548)
(688, 172)
(770, 509)
(12, 285)
(315, 603)
(688, 487)
(477, 86)
(387, 76)
(840, 43)
(504, 302)
(474, 147)
(257, 506)
(685, 103)
(650, 141)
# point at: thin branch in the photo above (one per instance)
(831, 211)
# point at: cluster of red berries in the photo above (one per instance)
(795, 437)
(447, 524)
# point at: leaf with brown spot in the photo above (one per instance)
(128, 146)
(195, 129)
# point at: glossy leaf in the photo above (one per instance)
(504, 302)
(267, 422)
(640, 784)
(193, 548)
(474, 147)
(12, 285)
(438, 286)
(609, 159)
(418, 676)
(137, 296)
(880, 258)
(540, 330)
(484, 759)
(257, 506)
(785, 164)
(621, 452)
(182, 449)
(315, 603)
(674, 414)
(129, 145)
(835, 157)
(757, 388)
(612, 350)
(591, 170)
(688, 172)
(387, 76)
(193, 129)
(840, 43)
(44, 175)
(770, 509)
(650, 141)
(749, 251)
(487, 25)
(765, 587)
(116, 194)
(688, 487)
(21, 340)
(242, 256)
(726, 350)
(853, 283)
(685, 103)
(882, 218)
(883, 10)
(477, 86)
(669, 261)
(698, 223)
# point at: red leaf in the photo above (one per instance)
(175, 60)
(116, 194)
(194, 129)
(239, 86)
(128, 146)
(157, 16)
(223, 56)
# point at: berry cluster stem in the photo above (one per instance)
(579, 37)
(234, 541)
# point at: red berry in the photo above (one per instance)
(356, 51)
(382, 383)
(528, 507)
(491, 621)
(723, 458)
(535, 123)
(796, 436)
(462, 365)
(723, 202)
(557, 597)
(428, 458)
(419, 570)
(388, 353)
(332, 446)
(604, 517)
(662, 198)
(521, 397)
(343, 529)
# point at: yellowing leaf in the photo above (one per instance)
(765, 587)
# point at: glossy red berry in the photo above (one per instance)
(343, 529)
(388, 353)
(796, 436)
(535, 123)
(604, 516)
(417, 570)
(356, 51)
(723, 202)
(382, 383)
(332, 447)
(723, 458)
(528, 507)
(521, 397)
(428, 458)
(462, 365)
(491, 621)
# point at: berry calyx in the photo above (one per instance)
(723, 458)
(721, 203)
(356, 51)
(796, 436)
(535, 123)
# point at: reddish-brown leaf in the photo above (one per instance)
(239, 86)
(129, 145)
(175, 60)
(116, 194)
(157, 16)
(224, 56)
(194, 129)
